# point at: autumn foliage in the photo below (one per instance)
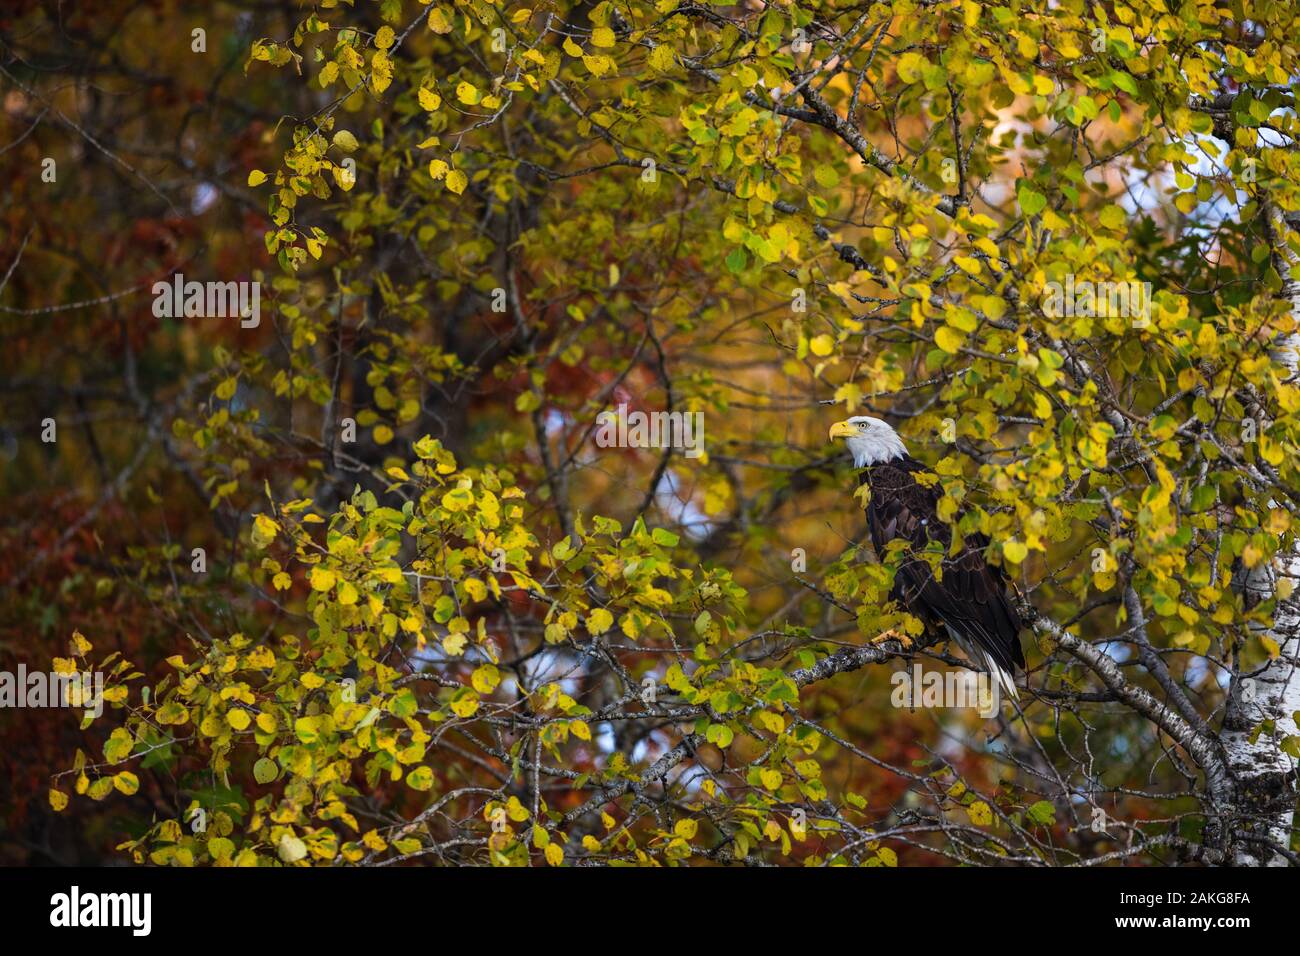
(365, 589)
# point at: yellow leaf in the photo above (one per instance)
(457, 181)
(948, 339)
(58, 799)
(421, 778)
(662, 58)
(429, 100)
(485, 678)
(381, 72)
(598, 65)
(465, 706)
(1014, 551)
(603, 37)
(321, 579)
(264, 530)
(256, 177)
(347, 593)
(439, 20)
(291, 849)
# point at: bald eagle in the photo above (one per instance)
(968, 601)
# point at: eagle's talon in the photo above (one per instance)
(892, 635)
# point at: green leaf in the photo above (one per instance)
(1043, 812)
(1113, 217)
(720, 735)
(664, 537)
(1031, 201)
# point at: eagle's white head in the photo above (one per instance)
(870, 440)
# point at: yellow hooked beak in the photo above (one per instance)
(842, 430)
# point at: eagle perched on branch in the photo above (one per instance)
(967, 601)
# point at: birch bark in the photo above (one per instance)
(1264, 786)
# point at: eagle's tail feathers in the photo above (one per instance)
(987, 663)
(1007, 680)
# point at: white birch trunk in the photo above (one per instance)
(1265, 784)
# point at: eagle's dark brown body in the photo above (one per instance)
(971, 599)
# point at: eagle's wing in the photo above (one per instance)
(970, 597)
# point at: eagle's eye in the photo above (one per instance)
(862, 425)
